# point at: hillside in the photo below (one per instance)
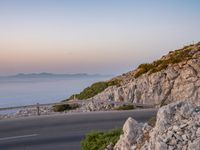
(175, 76)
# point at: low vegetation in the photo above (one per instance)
(65, 107)
(97, 140)
(125, 107)
(174, 58)
(95, 89)
(152, 121)
(163, 103)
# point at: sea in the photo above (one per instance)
(26, 91)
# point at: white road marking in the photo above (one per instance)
(18, 137)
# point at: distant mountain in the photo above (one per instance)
(52, 75)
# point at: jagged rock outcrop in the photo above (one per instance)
(177, 128)
(174, 77)
(134, 133)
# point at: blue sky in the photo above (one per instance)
(105, 36)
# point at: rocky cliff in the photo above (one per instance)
(174, 77)
(177, 128)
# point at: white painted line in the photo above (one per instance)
(18, 137)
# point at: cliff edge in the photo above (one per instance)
(174, 77)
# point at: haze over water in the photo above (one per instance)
(16, 92)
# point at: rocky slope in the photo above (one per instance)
(177, 128)
(174, 77)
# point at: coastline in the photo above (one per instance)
(86, 106)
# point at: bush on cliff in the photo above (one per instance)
(94, 89)
(174, 58)
(64, 107)
(152, 121)
(97, 140)
(125, 107)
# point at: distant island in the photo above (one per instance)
(52, 75)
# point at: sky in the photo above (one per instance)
(92, 36)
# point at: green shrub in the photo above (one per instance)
(95, 89)
(163, 103)
(97, 140)
(159, 65)
(152, 121)
(174, 58)
(114, 82)
(143, 68)
(63, 107)
(125, 107)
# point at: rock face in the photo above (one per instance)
(177, 128)
(99, 105)
(178, 81)
(133, 134)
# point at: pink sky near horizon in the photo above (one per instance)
(92, 37)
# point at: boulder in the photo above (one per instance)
(177, 128)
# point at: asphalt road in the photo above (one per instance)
(61, 132)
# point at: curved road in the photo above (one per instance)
(61, 132)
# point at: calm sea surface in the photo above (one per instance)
(16, 92)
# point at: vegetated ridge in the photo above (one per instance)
(175, 76)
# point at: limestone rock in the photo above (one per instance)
(132, 133)
(176, 82)
(177, 128)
